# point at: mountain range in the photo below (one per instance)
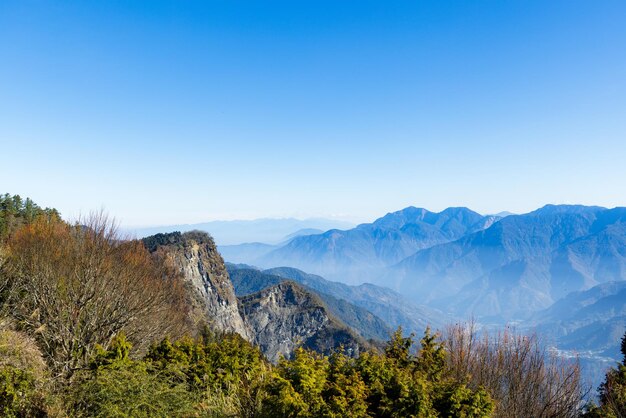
(464, 263)
(361, 254)
(267, 231)
(519, 265)
(560, 269)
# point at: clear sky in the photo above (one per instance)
(184, 111)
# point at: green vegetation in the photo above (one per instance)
(16, 212)
(154, 241)
(612, 391)
(24, 379)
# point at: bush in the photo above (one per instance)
(517, 371)
(120, 387)
(224, 372)
(24, 383)
(75, 286)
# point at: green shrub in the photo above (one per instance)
(120, 387)
(24, 382)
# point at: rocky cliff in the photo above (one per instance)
(277, 319)
(212, 295)
(286, 316)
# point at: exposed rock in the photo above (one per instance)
(285, 316)
(278, 319)
(195, 255)
(249, 280)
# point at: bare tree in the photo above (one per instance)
(75, 286)
(520, 374)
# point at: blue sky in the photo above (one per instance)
(183, 111)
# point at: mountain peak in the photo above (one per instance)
(553, 209)
(398, 218)
(459, 212)
(285, 316)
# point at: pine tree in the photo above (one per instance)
(613, 390)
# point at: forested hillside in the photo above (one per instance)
(16, 212)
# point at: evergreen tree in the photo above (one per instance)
(613, 390)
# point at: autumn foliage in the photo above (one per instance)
(73, 287)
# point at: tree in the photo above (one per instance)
(516, 370)
(73, 287)
(613, 390)
(223, 371)
(15, 212)
(345, 392)
(296, 387)
(117, 386)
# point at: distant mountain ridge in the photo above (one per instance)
(268, 230)
(360, 254)
(384, 303)
(519, 265)
(461, 262)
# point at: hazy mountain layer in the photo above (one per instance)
(245, 253)
(361, 254)
(594, 319)
(519, 265)
(269, 231)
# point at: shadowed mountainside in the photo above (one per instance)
(384, 303)
(368, 325)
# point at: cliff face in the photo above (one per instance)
(212, 295)
(278, 319)
(285, 316)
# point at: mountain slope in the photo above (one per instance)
(592, 320)
(384, 303)
(368, 325)
(360, 254)
(521, 264)
(212, 295)
(285, 316)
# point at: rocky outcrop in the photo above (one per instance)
(278, 319)
(212, 296)
(286, 316)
